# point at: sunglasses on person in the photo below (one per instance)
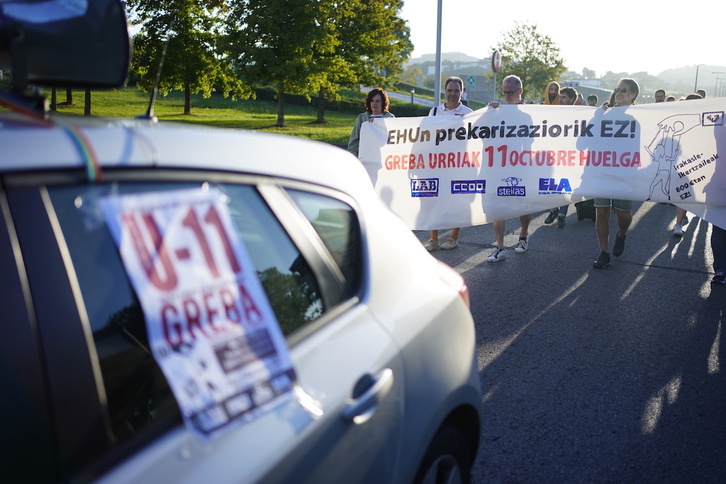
(621, 91)
(509, 93)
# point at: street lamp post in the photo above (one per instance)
(719, 80)
(437, 82)
(695, 86)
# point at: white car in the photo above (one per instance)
(379, 333)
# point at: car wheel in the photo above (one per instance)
(447, 460)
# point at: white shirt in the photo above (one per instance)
(442, 110)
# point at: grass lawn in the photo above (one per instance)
(219, 111)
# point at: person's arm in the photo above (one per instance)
(354, 140)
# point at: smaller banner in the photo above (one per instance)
(493, 164)
(210, 325)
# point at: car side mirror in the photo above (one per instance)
(82, 44)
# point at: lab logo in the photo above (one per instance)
(425, 187)
(512, 189)
(714, 118)
(554, 186)
(468, 186)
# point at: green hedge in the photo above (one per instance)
(421, 91)
(345, 105)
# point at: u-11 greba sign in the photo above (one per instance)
(493, 164)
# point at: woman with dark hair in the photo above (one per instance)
(376, 107)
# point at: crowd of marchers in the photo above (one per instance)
(600, 209)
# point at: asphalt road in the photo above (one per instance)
(613, 375)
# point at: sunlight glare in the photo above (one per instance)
(714, 365)
(654, 408)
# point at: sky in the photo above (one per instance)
(620, 36)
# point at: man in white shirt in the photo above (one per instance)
(452, 107)
(512, 91)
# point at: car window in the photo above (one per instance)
(137, 393)
(337, 225)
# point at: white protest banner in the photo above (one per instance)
(210, 325)
(493, 164)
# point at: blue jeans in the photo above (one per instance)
(561, 211)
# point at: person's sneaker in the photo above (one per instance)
(602, 261)
(719, 278)
(619, 246)
(551, 217)
(450, 244)
(561, 222)
(521, 245)
(431, 244)
(678, 230)
(497, 255)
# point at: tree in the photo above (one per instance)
(194, 62)
(411, 74)
(532, 56)
(294, 300)
(588, 73)
(371, 42)
(280, 43)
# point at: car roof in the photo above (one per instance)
(64, 142)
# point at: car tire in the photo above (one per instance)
(447, 460)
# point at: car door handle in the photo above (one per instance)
(368, 392)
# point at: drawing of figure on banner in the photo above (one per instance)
(665, 148)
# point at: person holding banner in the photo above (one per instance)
(377, 103)
(568, 97)
(681, 217)
(452, 107)
(624, 95)
(512, 91)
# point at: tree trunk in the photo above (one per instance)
(321, 106)
(87, 103)
(187, 100)
(69, 97)
(280, 105)
(53, 100)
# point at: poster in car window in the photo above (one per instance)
(210, 325)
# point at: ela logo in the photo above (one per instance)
(425, 187)
(468, 186)
(550, 185)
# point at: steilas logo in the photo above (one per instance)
(512, 189)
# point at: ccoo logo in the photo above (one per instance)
(468, 186)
